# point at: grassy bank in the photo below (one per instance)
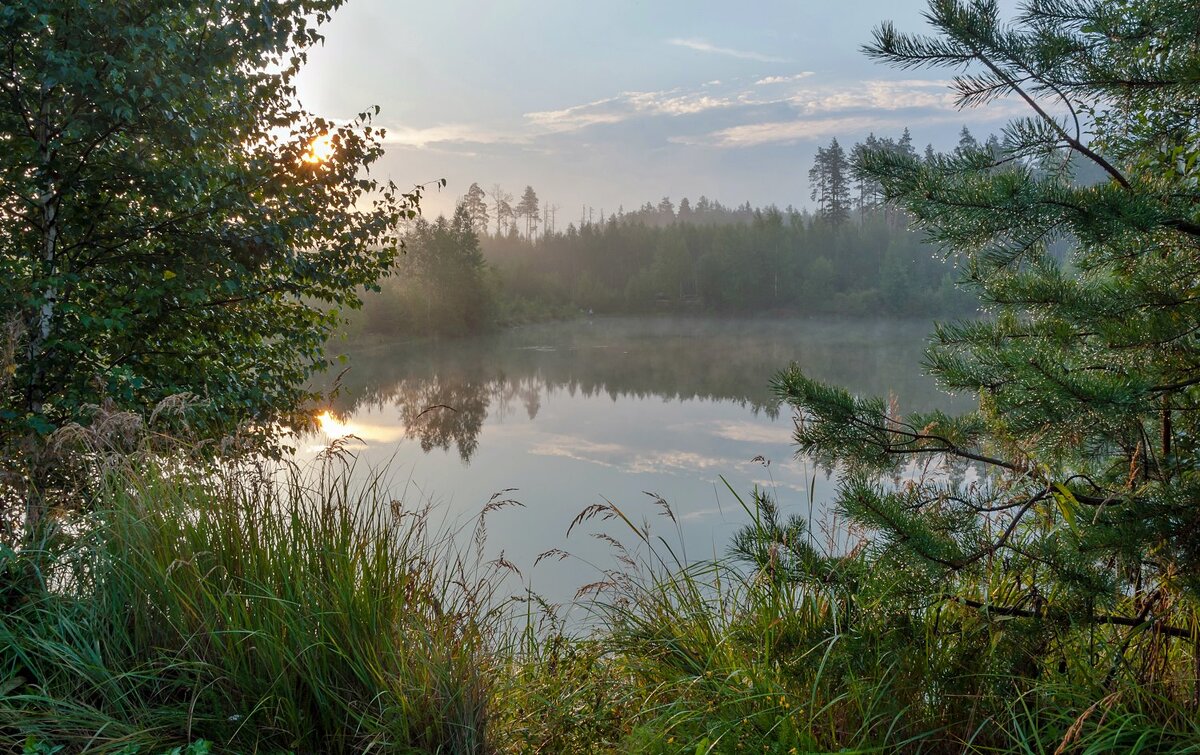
(296, 613)
(260, 613)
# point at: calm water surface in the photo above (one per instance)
(570, 414)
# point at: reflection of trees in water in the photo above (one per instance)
(622, 358)
(525, 390)
(445, 409)
(441, 412)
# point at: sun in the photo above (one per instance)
(320, 149)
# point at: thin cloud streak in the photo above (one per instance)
(785, 132)
(792, 132)
(768, 80)
(807, 101)
(701, 45)
(625, 106)
(877, 95)
(578, 117)
(460, 133)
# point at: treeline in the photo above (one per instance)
(452, 281)
(499, 260)
(440, 286)
(772, 262)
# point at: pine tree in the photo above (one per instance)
(528, 208)
(445, 262)
(666, 209)
(1086, 442)
(829, 180)
(967, 143)
(868, 188)
(475, 203)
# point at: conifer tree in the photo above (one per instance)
(829, 181)
(475, 203)
(501, 201)
(1086, 442)
(528, 208)
(868, 188)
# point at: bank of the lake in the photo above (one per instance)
(237, 614)
(585, 536)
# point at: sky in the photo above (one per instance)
(626, 101)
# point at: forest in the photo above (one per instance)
(182, 241)
(854, 253)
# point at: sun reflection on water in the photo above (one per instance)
(333, 427)
(361, 429)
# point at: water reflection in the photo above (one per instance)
(576, 413)
(444, 393)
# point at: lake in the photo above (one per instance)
(620, 410)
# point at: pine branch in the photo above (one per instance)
(1025, 613)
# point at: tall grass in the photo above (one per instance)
(808, 648)
(258, 612)
(266, 612)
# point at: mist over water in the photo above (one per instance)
(610, 409)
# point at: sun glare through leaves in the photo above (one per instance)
(320, 150)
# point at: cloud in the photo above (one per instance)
(753, 432)
(448, 133)
(577, 117)
(623, 107)
(698, 514)
(743, 431)
(789, 132)
(657, 462)
(701, 45)
(627, 458)
(855, 107)
(662, 103)
(782, 109)
(782, 79)
(815, 110)
(579, 449)
(877, 95)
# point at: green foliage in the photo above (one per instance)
(168, 224)
(565, 694)
(475, 204)
(286, 615)
(34, 746)
(263, 612)
(1066, 502)
(829, 180)
(528, 209)
(822, 648)
(442, 285)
